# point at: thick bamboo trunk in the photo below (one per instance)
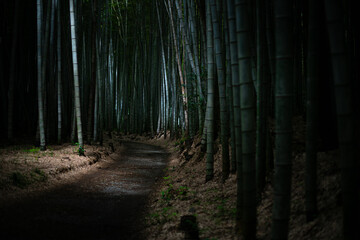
(39, 72)
(235, 79)
(283, 118)
(345, 119)
(12, 73)
(248, 121)
(91, 105)
(261, 97)
(210, 98)
(312, 110)
(229, 92)
(224, 123)
(76, 78)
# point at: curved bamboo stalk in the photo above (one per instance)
(193, 61)
(183, 90)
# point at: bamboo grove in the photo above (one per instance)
(232, 69)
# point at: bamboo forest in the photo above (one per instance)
(179, 119)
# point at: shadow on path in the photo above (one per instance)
(106, 203)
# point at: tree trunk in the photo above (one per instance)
(91, 116)
(76, 78)
(210, 98)
(283, 117)
(345, 119)
(229, 90)
(12, 73)
(261, 98)
(248, 121)
(236, 106)
(312, 110)
(39, 88)
(222, 92)
(59, 136)
(183, 91)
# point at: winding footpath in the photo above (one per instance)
(106, 203)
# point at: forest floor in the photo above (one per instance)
(183, 191)
(29, 175)
(57, 194)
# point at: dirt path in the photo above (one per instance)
(106, 203)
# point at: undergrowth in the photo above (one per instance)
(24, 179)
(171, 192)
(168, 194)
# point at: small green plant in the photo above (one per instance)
(163, 216)
(167, 178)
(171, 193)
(80, 149)
(32, 150)
(182, 190)
(166, 194)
